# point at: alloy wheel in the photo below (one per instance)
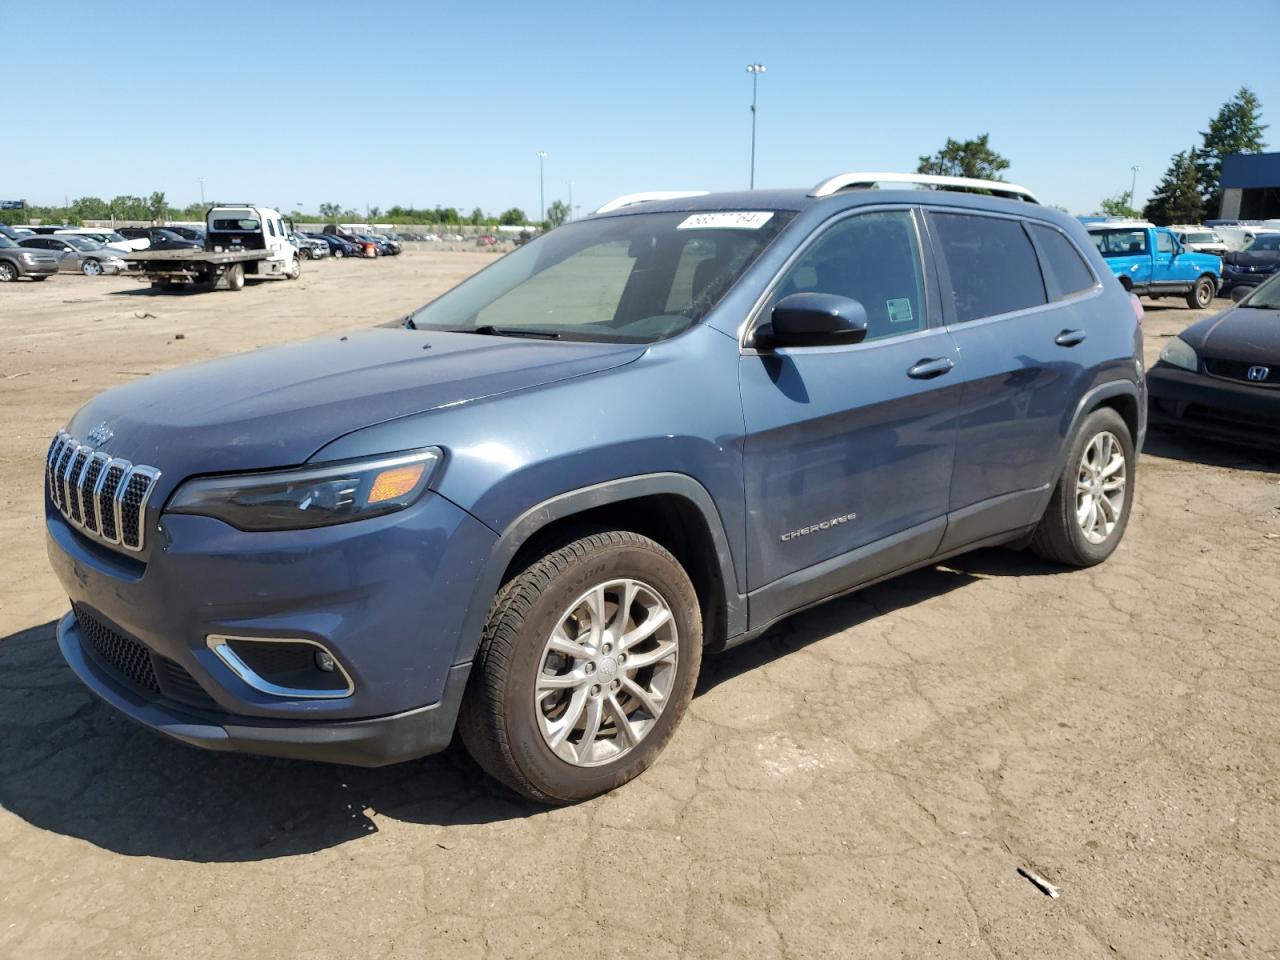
(1100, 487)
(606, 672)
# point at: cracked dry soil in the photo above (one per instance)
(865, 780)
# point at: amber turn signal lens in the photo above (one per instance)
(396, 482)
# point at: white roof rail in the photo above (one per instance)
(629, 199)
(863, 181)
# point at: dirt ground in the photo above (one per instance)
(865, 780)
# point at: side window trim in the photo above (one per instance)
(930, 288)
(944, 271)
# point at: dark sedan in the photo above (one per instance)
(161, 238)
(1221, 377)
(1255, 263)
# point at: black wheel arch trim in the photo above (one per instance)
(535, 518)
(1092, 399)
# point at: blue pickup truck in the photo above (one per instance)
(1150, 261)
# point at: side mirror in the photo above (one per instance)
(813, 320)
(1239, 293)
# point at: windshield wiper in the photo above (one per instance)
(489, 330)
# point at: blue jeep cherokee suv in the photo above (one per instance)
(527, 509)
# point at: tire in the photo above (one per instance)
(337, 253)
(235, 277)
(296, 272)
(1061, 536)
(91, 268)
(509, 731)
(1200, 296)
(8, 272)
(40, 279)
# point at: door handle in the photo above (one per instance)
(1069, 338)
(928, 369)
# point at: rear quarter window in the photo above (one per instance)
(991, 267)
(1065, 271)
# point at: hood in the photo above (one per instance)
(1242, 334)
(276, 407)
(1245, 258)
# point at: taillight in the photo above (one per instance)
(1137, 306)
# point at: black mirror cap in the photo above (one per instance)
(1239, 293)
(813, 320)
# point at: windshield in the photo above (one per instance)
(1263, 241)
(1202, 238)
(634, 278)
(1266, 296)
(6, 242)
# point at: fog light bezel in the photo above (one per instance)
(220, 646)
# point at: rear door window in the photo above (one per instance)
(1065, 271)
(990, 266)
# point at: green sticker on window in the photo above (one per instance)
(900, 310)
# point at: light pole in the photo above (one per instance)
(542, 201)
(201, 179)
(1133, 185)
(755, 69)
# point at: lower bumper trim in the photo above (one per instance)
(372, 742)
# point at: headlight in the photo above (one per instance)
(1179, 353)
(26, 257)
(310, 496)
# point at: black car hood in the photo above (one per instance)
(276, 407)
(1243, 334)
(1245, 258)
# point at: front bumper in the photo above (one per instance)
(1211, 407)
(1232, 277)
(389, 597)
(372, 742)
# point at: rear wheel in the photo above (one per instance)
(8, 272)
(1201, 295)
(40, 279)
(235, 276)
(337, 253)
(587, 664)
(1089, 509)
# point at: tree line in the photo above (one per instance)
(1191, 188)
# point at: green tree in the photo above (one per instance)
(90, 208)
(128, 207)
(330, 211)
(1178, 198)
(967, 158)
(512, 218)
(476, 218)
(375, 213)
(1237, 128)
(157, 206)
(1121, 205)
(557, 214)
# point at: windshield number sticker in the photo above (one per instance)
(900, 310)
(740, 220)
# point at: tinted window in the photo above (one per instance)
(992, 265)
(1064, 269)
(1120, 243)
(873, 258)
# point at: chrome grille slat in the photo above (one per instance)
(101, 496)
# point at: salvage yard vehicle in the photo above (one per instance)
(525, 511)
(1200, 239)
(241, 240)
(17, 261)
(1258, 261)
(308, 247)
(80, 254)
(160, 238)
(1149, 261)
(1220, 378)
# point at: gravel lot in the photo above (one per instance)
(865, 780)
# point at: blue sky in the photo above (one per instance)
(446, 103)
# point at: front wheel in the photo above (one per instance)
(1089, 509)
(1201, 295)
(8, 272)
(337, 253)
(586, 666)
(91, 268)
(295, 271)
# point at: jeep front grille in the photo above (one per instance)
(104, 497)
